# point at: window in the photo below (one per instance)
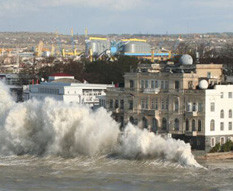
(208, 74)
(222, 126)
(187, 125)
(167, 104)
(199, 125)
(230, 113)
(131, 120)
(176, 105)
(146, 104)
(229, 94)
(122, 104)
(144, 122)
(221, 95)
(162, 84)
(156, 84)
(166, 85)
(189, 106)
(222, 113)
(176, 124)
(111, 104)
(212, 141)
(222, 140)
(156, 104)
(142, 103)
(177, 85)
(130, 104)
(230, 126)
(190, 85)
(152, 84)
(212, 106)
(142, 84)
(147, 84)
(164, 124)
(152, 104)
(131, 83)
(193, 125)
(200, 107)
(194, 107)
(212, 125)
(163, 106)
(154, 125)
(122, 122)
(116, 104)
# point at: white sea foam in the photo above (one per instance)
(50, 127)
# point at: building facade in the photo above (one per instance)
(65, 88)
(176, 99)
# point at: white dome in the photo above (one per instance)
(186, 59)
(203, 84)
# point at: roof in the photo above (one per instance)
(60, 74)
(66, 80)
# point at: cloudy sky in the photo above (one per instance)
(117, 16)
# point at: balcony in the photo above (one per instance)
(191, 133)
(191, 113)
(151, 90)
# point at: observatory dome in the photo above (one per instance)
(186, 59)
(203, 84)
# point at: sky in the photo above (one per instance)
(117, 16)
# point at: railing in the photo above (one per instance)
(151, 90)
(191, 133)
(191, 113)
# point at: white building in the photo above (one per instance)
(218, 114)
(65, 88)
(13, 82)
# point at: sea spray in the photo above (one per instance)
(142, 144)
(50, 127)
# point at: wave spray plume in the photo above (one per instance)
(50, 127)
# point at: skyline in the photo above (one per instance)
(116, 17)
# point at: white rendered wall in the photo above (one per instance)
(225, 103)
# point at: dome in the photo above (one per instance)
(186, 59)
(203, 84)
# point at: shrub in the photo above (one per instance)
(216, 148)
(228, 146)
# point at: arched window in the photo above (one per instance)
(131, 120)
(222, 140)
(176, 124)
(199, 125)
(212, 142)
(164, 124)
(230, 113)
(222, 113)
(212, 125)
(187, 125)
(144, 122)
(154, 125)
(193, 125)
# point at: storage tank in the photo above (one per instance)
(136, 47)
(97, 46)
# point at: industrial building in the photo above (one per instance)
(189, 101)
(97, 47)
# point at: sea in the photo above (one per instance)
(48, 145)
